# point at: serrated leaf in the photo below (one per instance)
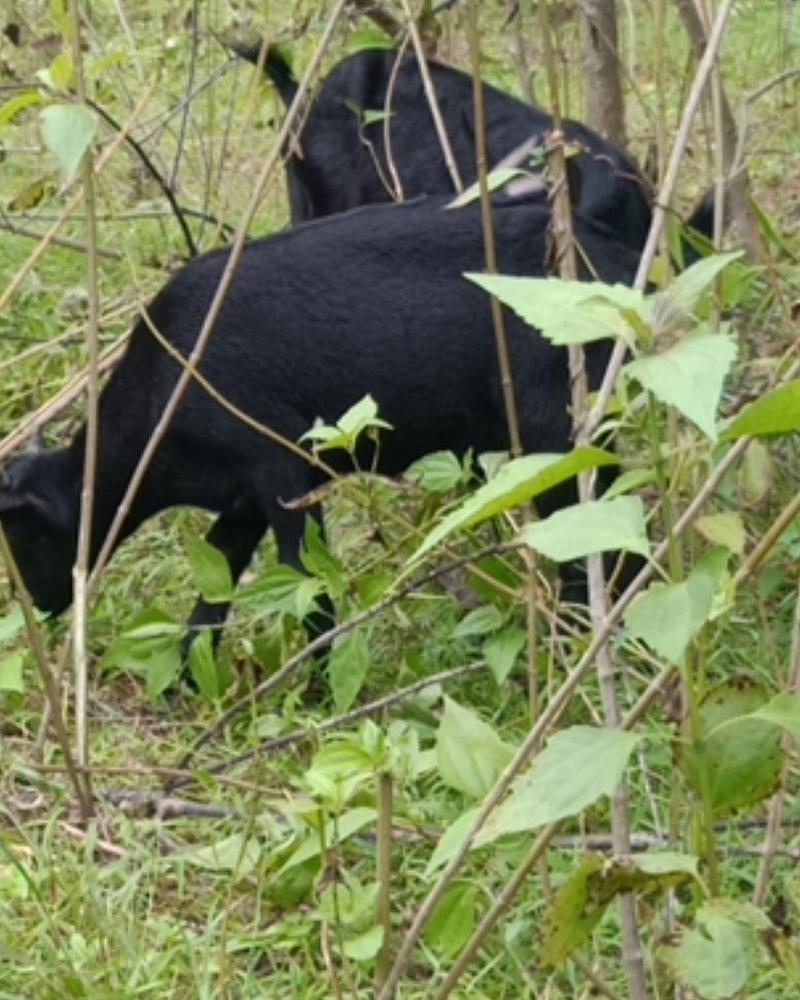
(348, 664)
(630, 480)
(318, 559)
(725, 528)
(451, 840)
(68, 131)
(778, 412)
(11, 673)
(210, 570)
(282, 589)
(568, 312)
(668, 616)
(689, 376)
(672, 306)
(516, 482)
(361, 416)
(452, 922)
(577, 767)
(501, 651)
(469, 754)
(584, 529)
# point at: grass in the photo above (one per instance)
(204, 905)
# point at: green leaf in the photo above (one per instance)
(515, 483)
(452, 922)
(689, 375)
(583, 529)
(11, 624)
(577, 767)
(778, 412)
(451, 840)
(568, 312)
(666, 863)
(210, 570)
(783, 710)
(368, 38)
(237, 853)
(162, 668)
(469, 754)
(68, 131)
(674, 305)
(361, 416)
(494, 179)
(668, 616)
(210, 679)
(716, 959)
(756, 474)
(365, 946)
(631, 480)
(12, 107)
(11, 673)
(336, 831)
(437, 473)
(737, 760)
(280, 589)
(320, 561)
(487, 618)
(725, 528)
(348, 664)
(502, 650)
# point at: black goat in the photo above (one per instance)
(342, 161)
(316, 317)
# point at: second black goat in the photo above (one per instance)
(372, 301)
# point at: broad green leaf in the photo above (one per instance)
(320, 561)
(345, 826)
(568, 312)
(282, 589)
(237, 853)
(666, 863)
(593, 885)
(12, 107)
(437, 473)
(487, 618)
(68, 131)
(778, 412)
(11, 673)
(577, 767)
(495, 178)
(783, 710)
(737, 760)
(469, 754)
(452, 922)
(631, 480)
(689, 375)
(149, 646)
(162, 668)
(668, 616)
(211, 680)
(210, 570)
(365, 946)
(451, 840)
(725, 528)
(584, 529)
(672, 306)
(516, 482)
(716, 959)
(348, 664)
(501, 651)
(152, 623)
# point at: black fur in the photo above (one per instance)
(316, 317)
